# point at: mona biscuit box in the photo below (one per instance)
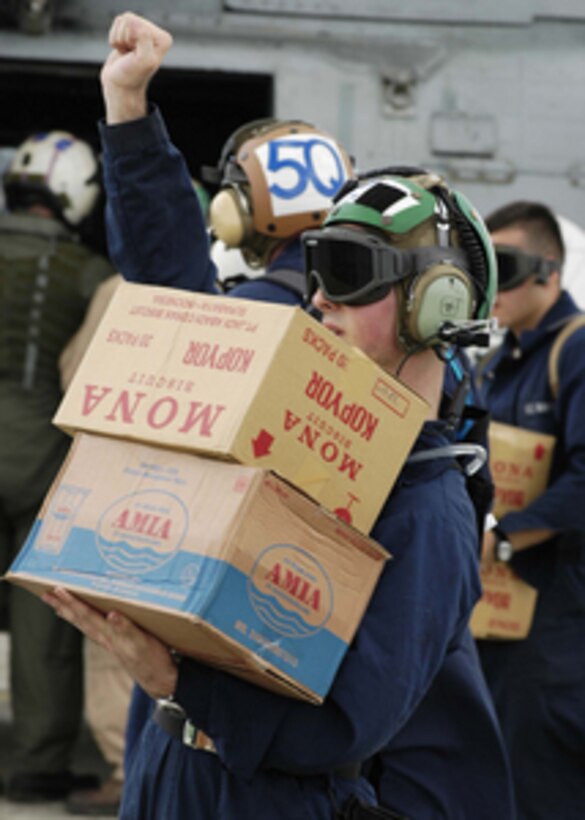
(261, 384)
(520, 462)
(226, 563)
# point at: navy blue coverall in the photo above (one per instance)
(410, 682)
(538, 684)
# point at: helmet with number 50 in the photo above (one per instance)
(57, 170)
(277, 178)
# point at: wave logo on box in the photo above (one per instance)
(290, 591)
(140, 532)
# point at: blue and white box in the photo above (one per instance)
(226, 563)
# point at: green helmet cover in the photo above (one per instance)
(402, 221)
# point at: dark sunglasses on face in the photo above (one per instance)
(515, 267)
(358, 268)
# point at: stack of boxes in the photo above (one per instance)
(229, 458)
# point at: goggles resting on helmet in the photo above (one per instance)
(515, 267)
(357, 268)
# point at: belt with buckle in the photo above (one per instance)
(172, 718)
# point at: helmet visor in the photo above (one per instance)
(515, 267)
(352, 267)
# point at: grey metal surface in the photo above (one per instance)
(495, 106)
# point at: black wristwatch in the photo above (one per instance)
(503, 550)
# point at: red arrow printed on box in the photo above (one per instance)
(262, 443)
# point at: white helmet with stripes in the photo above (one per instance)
(55, 169)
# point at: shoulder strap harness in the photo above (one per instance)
(572, 324)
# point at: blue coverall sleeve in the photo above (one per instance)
(421, 603)
(560, 508)
(155, 228)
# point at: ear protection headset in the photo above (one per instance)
(415, 209)
(230, 216)
(442, 292)
(231, 220)
(230, 210)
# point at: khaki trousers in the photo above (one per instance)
(107, 697)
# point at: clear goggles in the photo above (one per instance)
(357, 268)
(515, 267)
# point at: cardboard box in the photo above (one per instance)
(227, 563)
(257, 383)
(520, 463)
(506, 608)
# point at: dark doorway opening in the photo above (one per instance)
(201, 108)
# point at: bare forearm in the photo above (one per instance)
(120, 107)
